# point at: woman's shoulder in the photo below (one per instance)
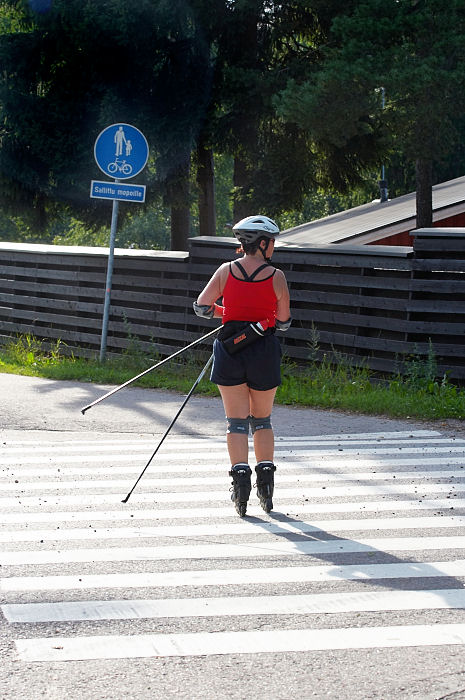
(222, 273)
(279, 274)
(224, 267)
(279, 279)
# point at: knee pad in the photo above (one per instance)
(260, 423)
(238, 425)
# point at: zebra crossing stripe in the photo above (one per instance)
(252, 642)
(233, 550)
(231, 529)
(290, 494)
(365, 506)
(214, 455)
(393, 434)
(187, 481)
(331, 461)
(193, 443)
(229, 577)
(313, 604)
(298, 471)
(18, 445)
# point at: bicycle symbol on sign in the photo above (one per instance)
(120, 166)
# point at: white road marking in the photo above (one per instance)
(313, 604)
(337, 463)
(252, 642)
(284, 494)
(253, 510)
(233, 549)
(241, 577)
(319, 475)
(232, 529)
(214, 455)
(149, 439)
(330, 462)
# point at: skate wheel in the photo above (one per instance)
(267, 505)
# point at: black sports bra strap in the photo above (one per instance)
(255, 272)
(246, 277)
(249, 278)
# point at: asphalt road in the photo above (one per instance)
(30, 403)
(353, 587)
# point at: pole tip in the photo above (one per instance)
(125, 500)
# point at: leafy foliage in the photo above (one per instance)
(416, 52)
(70, 72)
(286, 93)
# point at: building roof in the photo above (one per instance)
(374, 221)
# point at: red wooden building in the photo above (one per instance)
(382, 223)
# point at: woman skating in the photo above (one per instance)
(247, 355)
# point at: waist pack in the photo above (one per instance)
(243, 334)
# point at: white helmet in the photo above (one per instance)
(252, 228)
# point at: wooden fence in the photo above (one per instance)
(370, 304)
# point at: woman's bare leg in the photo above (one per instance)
(260, 406)
(236, 405)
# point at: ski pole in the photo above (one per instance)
(196, 383)
(150, 369)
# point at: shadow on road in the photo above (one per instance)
(364, 557)
(145, 406)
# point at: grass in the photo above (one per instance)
(417, 392)
(26, 355)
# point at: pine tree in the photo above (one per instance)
(415, 50)
(261, 44)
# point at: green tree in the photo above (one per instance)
(69, 72)
(260, 46)
(415, 50)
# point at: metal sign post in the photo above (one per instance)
(120, 150)
(106, 305)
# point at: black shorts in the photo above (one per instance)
(258, 365)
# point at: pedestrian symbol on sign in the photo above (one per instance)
(119, 139)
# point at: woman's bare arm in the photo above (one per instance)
(281, 289)
(214, 288)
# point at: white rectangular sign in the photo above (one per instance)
(122, 191)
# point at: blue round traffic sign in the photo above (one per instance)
(121, 151)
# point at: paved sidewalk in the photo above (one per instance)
(42, 404)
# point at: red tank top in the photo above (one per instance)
(249, 299)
